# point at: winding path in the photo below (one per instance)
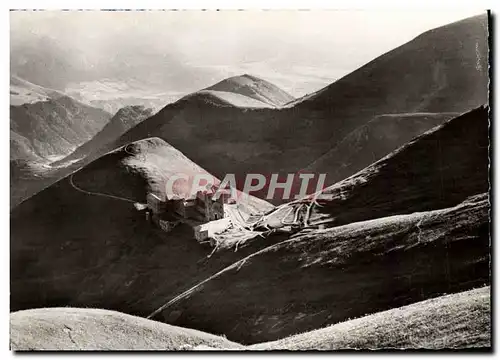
(97, 193)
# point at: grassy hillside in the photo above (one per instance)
(55, 125)
(322, 277)
(34, 174)
(97, 330)
(24, 92)
(379, 136)
(380, 259)
(442, 71)
(460, 320)
(81, 242)
(124, 119)
(255, 88)
(438, 169)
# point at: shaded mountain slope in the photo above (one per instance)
(95, 330)
(436, 68)
(255, 88)
(45, 125)
(436, 170)
(226, 98)
(56, 126)
(336, 274)
(460, 320)
(444, 69)
(21, 149)
(87, 245)
(125, 118)
(380, 259)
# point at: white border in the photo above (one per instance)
(187, 4)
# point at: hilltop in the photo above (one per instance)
(94, 208)
(443, 69)
(124, 119)
(253, 87)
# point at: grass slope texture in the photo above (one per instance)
(81, 242)
(24, 92)
(32, 175)
(440, 72)
(71, 329)
(436, 170)
(254, 88)
(415, 225)
(124, 119)
(461, 320)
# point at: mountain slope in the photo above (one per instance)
(460, 320)
(444, 69)
(255, 88)
(22, 92)
(58, 237)
(339, 273)
(463, 321)
(226, 99)
(436, 66)
(409, 227)
(373, 141)
(54, 126)
(96, 330)
(124, 119)
(45, 125)
(436, 170)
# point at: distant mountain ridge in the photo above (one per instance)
(50, 124)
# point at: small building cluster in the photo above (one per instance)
(200, 208)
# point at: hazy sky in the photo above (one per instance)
(300, 51)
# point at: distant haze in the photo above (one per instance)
(183, 51)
